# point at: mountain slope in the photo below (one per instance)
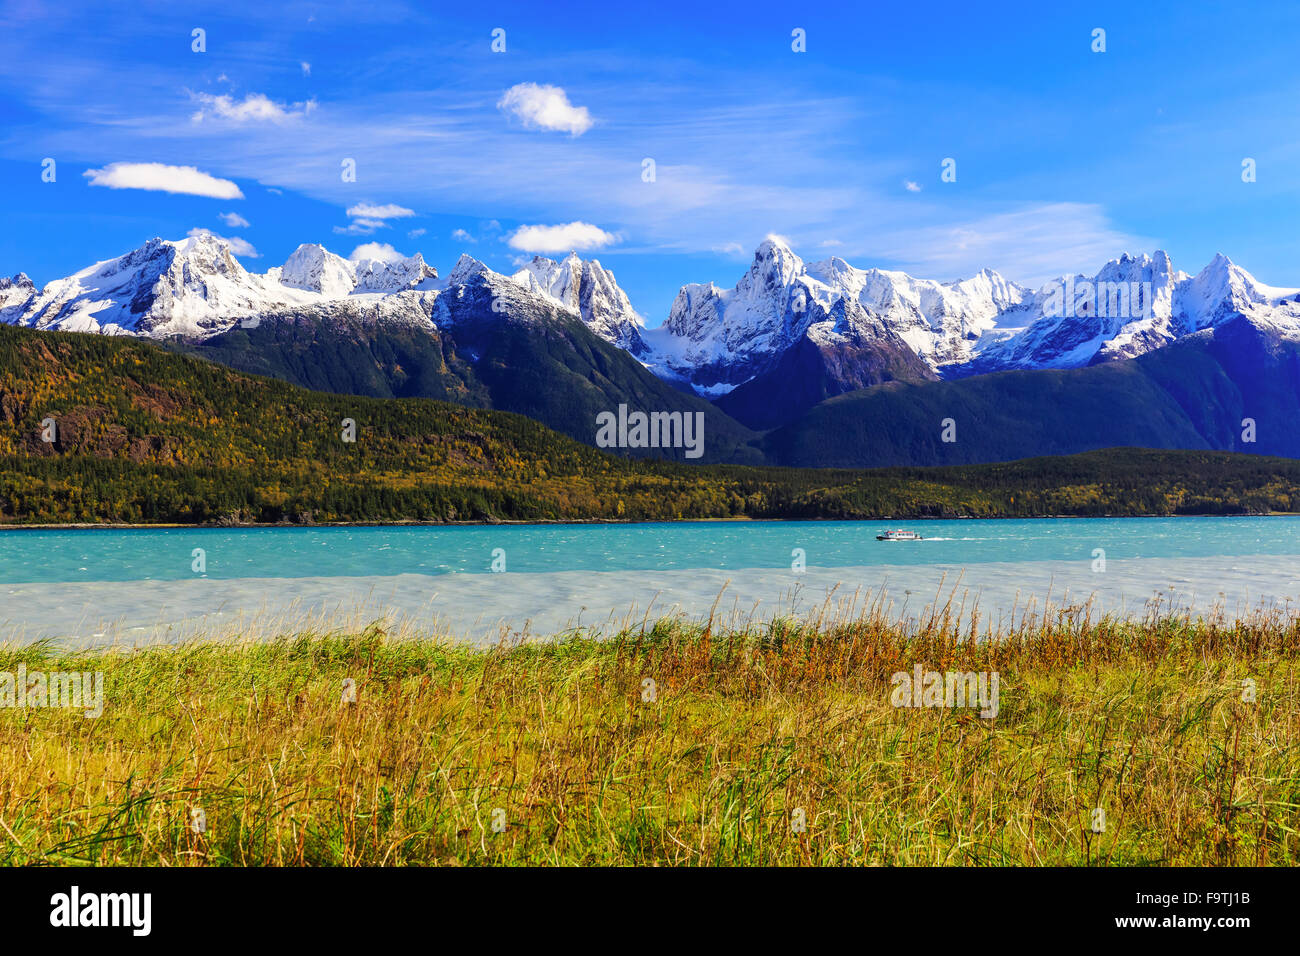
(783, 339)
(387, 328)
(846, 350)
(817, 351)
(146, 435)
(484, 341)
(588, 289)
(1191, 394)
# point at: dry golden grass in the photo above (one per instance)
(1144, 719)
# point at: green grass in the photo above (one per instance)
(1145, 720)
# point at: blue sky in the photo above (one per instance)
(1064, 157)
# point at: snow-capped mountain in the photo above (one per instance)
(1133, 305)
(313, 268)
(717, 339)
(196, 287)
(15, 292)
(840, 326)
(586, 287)
(393, 275)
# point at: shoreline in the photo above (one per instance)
(738, 519)
(478, 608)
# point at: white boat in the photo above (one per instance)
(898, 536)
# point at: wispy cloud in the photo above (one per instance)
(736, 156)
(159, 177)
(386, 211)
(545, 107)
(367, 218)
(1032, 244)
(361, 227)
(234, 220)
(253, 108)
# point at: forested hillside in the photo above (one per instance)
(142, 434)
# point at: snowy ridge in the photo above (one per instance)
(714, 339)
(1133, 305)
(196, 287)
(590, 290)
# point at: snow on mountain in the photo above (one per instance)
(1222, 290)
(14, 294)
(196, 287)
(315, 269)
(587, 288)
(475, 292)
(717, 339)
(714, 339)
(191, 287)
(393, 275)
(941, 321)
(1133, 305)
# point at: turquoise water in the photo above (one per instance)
(70, 556)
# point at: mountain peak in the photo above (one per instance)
(590, 290)
(314, 268)
(775, 264)
(771, 244)
(391, 273)
(466, 268)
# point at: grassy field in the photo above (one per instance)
(748, 732)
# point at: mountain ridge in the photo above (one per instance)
(779, 352)
(714, 339)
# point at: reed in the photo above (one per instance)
(749, 728)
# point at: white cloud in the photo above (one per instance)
(460, 235)
(830, 243)
(545, 107)
(376, 250)
(159, 177)
(361, 227)
(729, 249)
(306, 68)
(911, 187)
(416, 233)
(562, 238)
(255, 107)
(240, 247)
(386, 211)
(234, 220)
